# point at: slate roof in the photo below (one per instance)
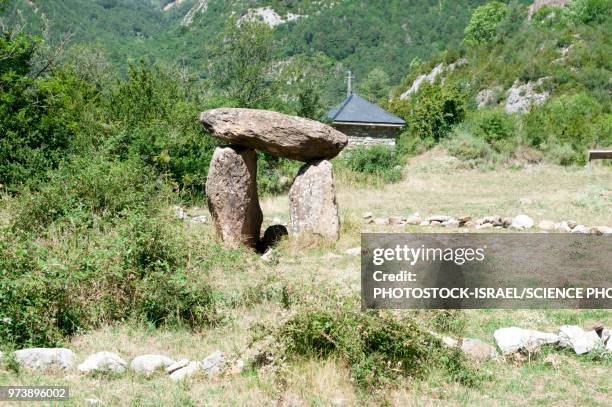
(356, 109)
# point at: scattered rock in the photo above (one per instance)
(424, 223)
(381, 221)
(520, 97)
(547, 225)
(604, 230)
(506, 222)
(397, 220)
(237, 367)
(148, 364)
(563, 227)
(177, 365)
(312, 199)
(525, 201)
(368, 215)
(213, 364)
(103, 362)
(484, 226)
(414, 219)
(572, 224)
(579, 340)
(451, 223)
(268, 256)
(478, 350)
(45, 358)
(92, 401)
(464, 220)
(435, 223)
(275, 133)
(486, 97)
(580, 229)
(438, 218)
(353, 251)
(513, 339)
(180, 213)
(522, 222)
(231, 189)
(199, 219)
(185, 372)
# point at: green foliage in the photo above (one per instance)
(36, 125)
(381, 161)
(375, 87)
(432, 112)
(93, 245)
(589, 11)
(485, 22)
(496, 127)
(243, 57)
(379, 347)
(570, 121)
(467, 147)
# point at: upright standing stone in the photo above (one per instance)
(231, 189)
(312, 199)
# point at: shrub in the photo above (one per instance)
(88, 189)
(467, 147)
(381, 161)
(432, 112)
(378, 346)
(572, 120)
(37, 125)
(589, 11)
(484, 22)
(498, 128)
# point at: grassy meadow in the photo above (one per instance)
(254, 294)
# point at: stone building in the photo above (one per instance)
(364, 122)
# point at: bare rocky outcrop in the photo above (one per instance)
(432, 76)
(538, 4)
(313, 206)
(275, 133)
(231, 189)
(521, 96)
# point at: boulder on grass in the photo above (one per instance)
(149, 364)
(275, 133)
(45, 358)
(312, 201)
(103, 362)
(231, 189)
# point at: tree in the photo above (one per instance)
(484, 22)
(375, 87)
(242, 61)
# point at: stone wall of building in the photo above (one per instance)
(367, 131)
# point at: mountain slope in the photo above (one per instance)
(358, 35)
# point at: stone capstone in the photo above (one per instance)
(231, 189)
(275, 133)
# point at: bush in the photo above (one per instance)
(498, 128)
(484, 22)
(378, 346)
(36, 120)
(589, 11)
(89, 189)
(431, 113)
(381, 161)
(467, 147)
(575, 121)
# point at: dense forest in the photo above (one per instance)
(376, 41)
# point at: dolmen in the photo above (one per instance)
(231, 186)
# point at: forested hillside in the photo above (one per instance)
(516, 87)
(376, 40)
